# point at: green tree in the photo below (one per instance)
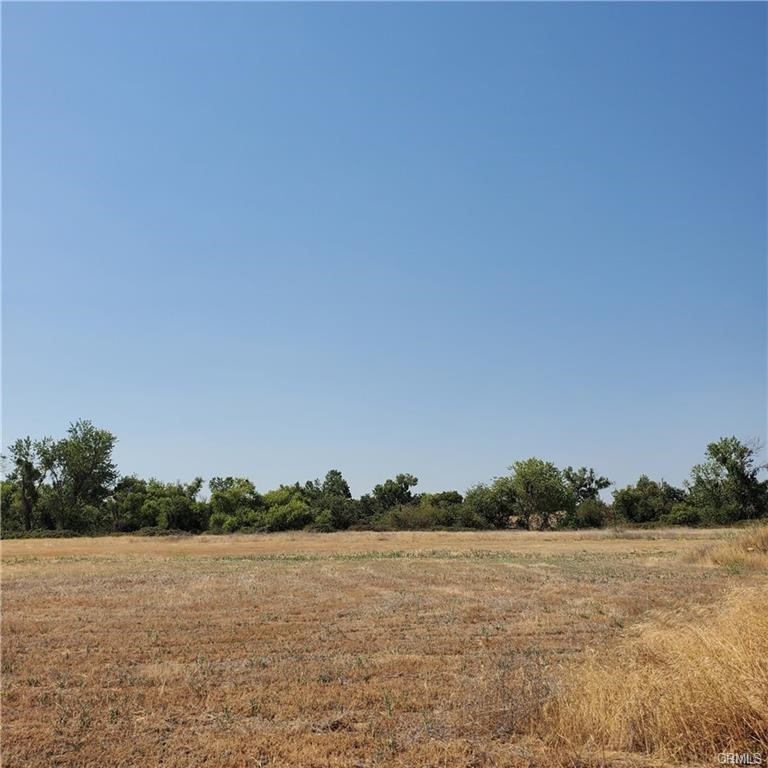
(584, 483)
(647, 501)
(26, 476)
(335, 486)
(541, 493)
(82, 472)
(726, 487)
(590, 513)
(392, 493)
(235, 503)
(332, 504)
(287, 508)
(11, 518)
(492, 505)
(175, 505)
(125, 505)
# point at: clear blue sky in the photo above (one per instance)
(267, 240)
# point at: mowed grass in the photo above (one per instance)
(357, 649)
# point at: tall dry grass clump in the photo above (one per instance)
(676, 689)
(747, 552)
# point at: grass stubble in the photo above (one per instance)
(367, 649)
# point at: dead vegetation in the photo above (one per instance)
(681, 688)
(324, 650)
(742, 552)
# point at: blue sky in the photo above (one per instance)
(267, 240)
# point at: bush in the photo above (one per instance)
(154, 530)
(216, 521)
(647, 501)
(491, 506)
(323, 522)
(230, 524)
(413, 517)
(682, 514)
(42, 533)
(432, 512)
(590, 513)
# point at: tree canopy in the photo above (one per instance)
(73, 484)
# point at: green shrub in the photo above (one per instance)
(42, 533)
(154, 530)
(323, 522)
(590, 513)
(230, 524)
(682, 514)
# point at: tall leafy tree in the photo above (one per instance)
(335, 486)
(126, 502)
(390, 493)
(540, 492)
(726, 486)
(27, 475)
(287, 508)
(494, 504)
(234, 503)
(81, 469)
(647, 500)
(175, 505)
(584, 483)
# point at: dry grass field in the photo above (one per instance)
(382, 649)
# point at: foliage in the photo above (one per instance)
(390, 493)
(26, 477)
(726, 487)
(73, 485)
(590, 513)
(235, 503)
(175, 505)
(332, 504)
(335, 486)
(542, 496)
(646, 501)
(431, 511)
(81, 471)
(287, 508)
(493, 505)
(584, 484)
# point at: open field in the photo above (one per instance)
(350, 649)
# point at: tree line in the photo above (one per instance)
(73, 485)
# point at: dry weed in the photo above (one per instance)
(682, 688)
(298, 650)
(746, 552)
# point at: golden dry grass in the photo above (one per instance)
(360, 649)
(682, 688)
(744, 551)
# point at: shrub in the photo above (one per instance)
(154, 530)
(42, 533)
(647, 501)
(287, 509)
(323, 522)
(414, 517)
(216, 521)
(490, 505)
(230, 524)
(682, 514)
(590, 513)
